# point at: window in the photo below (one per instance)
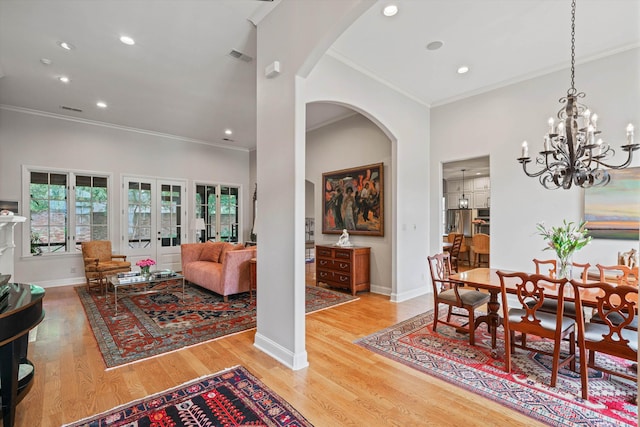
(218, 205)
(56, 207)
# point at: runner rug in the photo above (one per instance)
(152, 324)
(447, 355)
(233, 397)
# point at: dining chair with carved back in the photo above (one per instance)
(453, 294)
(617, 275)
(608, 337)
(548, 268)
(520, 315)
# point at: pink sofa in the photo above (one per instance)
(218, 266)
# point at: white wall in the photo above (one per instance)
(28, 139)
(406, 123)
(496, 123)
(354, 141)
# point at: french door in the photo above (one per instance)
(155, 221)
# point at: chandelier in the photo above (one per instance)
(571, 154)
(463, 202)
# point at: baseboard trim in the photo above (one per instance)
(404, 296)
(294, 361)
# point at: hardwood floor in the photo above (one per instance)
(344, 385)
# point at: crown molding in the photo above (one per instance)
(534, 74)
(117, 127)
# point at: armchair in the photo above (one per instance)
(100, 262)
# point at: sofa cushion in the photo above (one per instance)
(229, 247)
(211, 251)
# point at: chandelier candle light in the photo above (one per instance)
(572, 152)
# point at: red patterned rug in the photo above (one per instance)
(446, 354)
(229, 398)
(152, 324)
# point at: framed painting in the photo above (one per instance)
(354, 200)
(613, 211)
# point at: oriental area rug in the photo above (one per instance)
(233, 397)
(447, 354)
(148, 325)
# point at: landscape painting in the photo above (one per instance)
(354, 200)
(613, 211)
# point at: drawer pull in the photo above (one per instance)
(344, 265)
(323, 262)
(344, 279)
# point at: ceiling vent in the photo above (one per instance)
(228, 140)
(77, 110)
(239, 55)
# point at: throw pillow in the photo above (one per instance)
(211, 251)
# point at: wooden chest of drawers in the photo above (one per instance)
(343, 267)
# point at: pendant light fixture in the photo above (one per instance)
(571, 152)
(463, 203)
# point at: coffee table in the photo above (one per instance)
(150, 284)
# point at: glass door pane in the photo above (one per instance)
(170, 215)
(139, 215)
(229, 214)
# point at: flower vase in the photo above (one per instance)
(563, 267)
(144, 270)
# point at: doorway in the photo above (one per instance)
(155, 220)
(466, 201)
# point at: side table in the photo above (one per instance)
(253, 284)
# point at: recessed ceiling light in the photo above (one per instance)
(228, 132)
(463, 69)
(64, 79)
(101, 104)
(46, 61)
(127, 40)
(390, 10)
(434, 45)
(66, 46)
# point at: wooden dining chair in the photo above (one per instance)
(618, 274)
(548, 268)
(464, 249)
(608, 337)
(454, 251)
(480, 247)
(521, 316)
(452, 293)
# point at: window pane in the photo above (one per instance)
(91, 208)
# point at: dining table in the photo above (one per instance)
(487, 279)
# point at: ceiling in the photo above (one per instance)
(180, 79)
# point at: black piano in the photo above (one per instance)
(21, 311)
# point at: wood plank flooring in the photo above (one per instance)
(344, 385)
